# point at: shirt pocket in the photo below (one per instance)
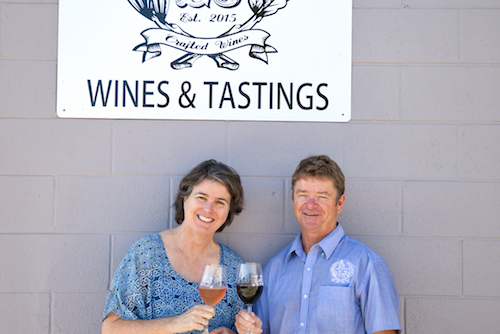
(336, 308)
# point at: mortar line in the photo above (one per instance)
(111, 247)
(51, 312)
(404, 327)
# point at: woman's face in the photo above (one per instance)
(207, 207)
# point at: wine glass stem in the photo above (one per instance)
(249, 309)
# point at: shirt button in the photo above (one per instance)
(302, 324)
(308, 269)
(305, 296)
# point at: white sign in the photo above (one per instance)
(256, 60)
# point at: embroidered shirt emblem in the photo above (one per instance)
(342, 272)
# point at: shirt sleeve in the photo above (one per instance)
(379, 299)
(127, 295)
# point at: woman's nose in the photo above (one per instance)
(208, 206)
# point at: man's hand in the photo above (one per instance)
(248, 321)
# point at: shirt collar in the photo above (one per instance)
(327, 244)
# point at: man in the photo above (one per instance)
(325, 281)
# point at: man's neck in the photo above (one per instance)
(310, 239)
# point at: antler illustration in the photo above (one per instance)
(156, 11)
(261, 9)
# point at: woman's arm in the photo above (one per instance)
(194, 319)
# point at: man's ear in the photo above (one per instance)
(340, 203)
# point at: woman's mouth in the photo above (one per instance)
(205, 219)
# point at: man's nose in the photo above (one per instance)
(311, 202)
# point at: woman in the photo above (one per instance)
(155, 288)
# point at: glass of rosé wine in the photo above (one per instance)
(213, 285)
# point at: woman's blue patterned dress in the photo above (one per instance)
(145, 286)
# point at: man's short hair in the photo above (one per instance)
(322, 167)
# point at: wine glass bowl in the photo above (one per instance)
(249, 283)
(212, 285)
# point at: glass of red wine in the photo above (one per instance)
(249, 283)
(213, 285)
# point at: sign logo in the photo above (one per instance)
(206, 28)
(342, 272)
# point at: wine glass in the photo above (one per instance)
(249, 283)
(213, 285)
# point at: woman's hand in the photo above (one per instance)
(195, 318)
(248, 321)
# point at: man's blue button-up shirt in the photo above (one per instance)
(340, 286)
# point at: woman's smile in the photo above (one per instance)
(205, 219)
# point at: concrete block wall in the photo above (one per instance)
(421, 156)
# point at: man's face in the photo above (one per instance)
(315, 205)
